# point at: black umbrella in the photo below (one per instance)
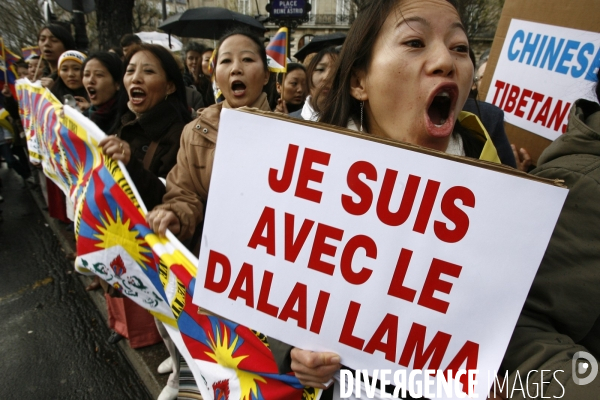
(319, 43)
(208, 23)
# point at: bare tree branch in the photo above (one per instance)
(480, 16)
(20, 21)
(146, 16)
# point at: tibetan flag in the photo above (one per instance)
(277, 51)
(114, 242)
(8, 68)
(29, 95)
(29, 52)
(228, 360)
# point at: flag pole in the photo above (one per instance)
(287, 41)
(37, 67)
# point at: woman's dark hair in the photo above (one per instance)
(62, 34)
(111, 62)
(290, 67)
(262, 52)
(169, 65)
(332, 52)
(355, 55)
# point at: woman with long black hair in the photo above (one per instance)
(103, 79)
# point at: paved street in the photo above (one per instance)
(52, 337)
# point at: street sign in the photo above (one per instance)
(287, 8)
(290, 13)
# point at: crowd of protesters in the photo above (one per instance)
(405, 72)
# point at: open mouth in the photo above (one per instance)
(440, 113)
(137, 96)
(238, 88)
(91, 92)
(439, 109)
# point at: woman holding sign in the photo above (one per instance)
(404, 74)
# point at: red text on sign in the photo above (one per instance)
(414, 350)
(433, 282)
(218, 280)
(323, 245)
(532, 106)
(306, 174)
(363, 170)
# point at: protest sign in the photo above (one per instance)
(390, 255)
(541, 71)
(545, 56)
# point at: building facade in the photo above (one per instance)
(173, 6)
(326, 16)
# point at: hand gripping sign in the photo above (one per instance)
(392, 256)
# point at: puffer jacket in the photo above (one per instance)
(561, 315)
(189, 180)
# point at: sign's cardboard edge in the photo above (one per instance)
(419, 149)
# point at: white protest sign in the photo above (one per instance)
(391, 258)
(542, 69)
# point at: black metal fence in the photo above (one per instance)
(329, 19)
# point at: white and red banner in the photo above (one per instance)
(542, 69)
(392, 258)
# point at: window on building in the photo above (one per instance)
(243, 6)
(342, 11)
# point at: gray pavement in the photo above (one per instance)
(52, 332)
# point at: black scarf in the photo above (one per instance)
(105, 115)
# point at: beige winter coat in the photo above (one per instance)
(189, 180)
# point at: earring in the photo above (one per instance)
(166, 95)
(362, 107)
